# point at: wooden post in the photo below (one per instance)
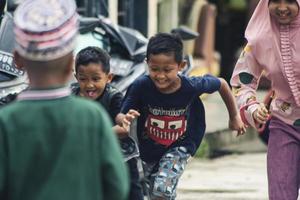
(168, 15)
(152, 17)
(113, 10)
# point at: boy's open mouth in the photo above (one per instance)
(91, 93)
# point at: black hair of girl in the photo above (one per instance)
(95, 55)
(165, 43)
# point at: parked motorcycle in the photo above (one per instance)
(12, 80)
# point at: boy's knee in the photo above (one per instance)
(163, 190)
(164, 182)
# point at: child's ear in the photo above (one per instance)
(182, 65)
(110, 77)
(18, 60)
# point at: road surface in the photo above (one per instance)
(231, 177)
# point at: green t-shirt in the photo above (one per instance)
(59, 149)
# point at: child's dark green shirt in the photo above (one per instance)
(62, 149)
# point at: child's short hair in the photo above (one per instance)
(165, 43)
(93, 55)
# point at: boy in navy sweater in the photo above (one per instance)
(167, 129)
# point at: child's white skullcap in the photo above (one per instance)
(45, 29)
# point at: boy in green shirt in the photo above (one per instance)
(54, 145)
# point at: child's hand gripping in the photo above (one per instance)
(237, 124)
(261, 114)
(128, 118)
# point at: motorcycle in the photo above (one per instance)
(12, 80)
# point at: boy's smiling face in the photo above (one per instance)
(163, 70)
(92, 80)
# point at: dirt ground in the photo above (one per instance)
(231, 177)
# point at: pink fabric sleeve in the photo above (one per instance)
(244, 80)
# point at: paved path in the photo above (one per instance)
(232, 177)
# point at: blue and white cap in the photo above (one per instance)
(45, 29)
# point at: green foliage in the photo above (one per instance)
(204, 150)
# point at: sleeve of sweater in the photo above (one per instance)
(115, 105)
(244, 80)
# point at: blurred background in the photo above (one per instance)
(220, 24)
(213, 31)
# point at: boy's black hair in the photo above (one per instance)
(93, 54)
(165, 43)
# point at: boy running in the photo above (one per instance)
(92, 71)
(164, 100)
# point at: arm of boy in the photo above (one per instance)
(120, 131)
(124, 120)
(235, 122)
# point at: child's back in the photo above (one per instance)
(57, 149)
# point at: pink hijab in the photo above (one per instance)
(266, 36)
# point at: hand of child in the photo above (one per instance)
(237, 124)
(129, 117)
(261, 114)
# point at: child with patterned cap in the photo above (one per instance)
(54, 145)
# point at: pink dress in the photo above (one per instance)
(274, 50)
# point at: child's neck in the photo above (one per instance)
(47, 82)
(176, 86)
